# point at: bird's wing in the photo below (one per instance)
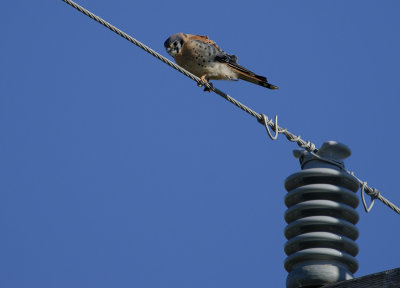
(231, 61)
(243, 73)
(204, 39)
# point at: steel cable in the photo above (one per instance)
(261, 118)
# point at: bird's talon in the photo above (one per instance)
(206, 89)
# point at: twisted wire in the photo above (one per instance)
(374, 194)
(261, 118)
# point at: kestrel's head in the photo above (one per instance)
(174, 44)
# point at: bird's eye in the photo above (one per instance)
(175, 44)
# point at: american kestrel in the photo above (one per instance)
(203, 58)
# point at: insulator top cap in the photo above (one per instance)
(334, 150)
(330, 150)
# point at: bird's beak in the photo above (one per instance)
(169, 50)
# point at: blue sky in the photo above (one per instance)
(117, 171)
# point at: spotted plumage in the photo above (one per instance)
(202, 57)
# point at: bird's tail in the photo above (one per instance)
(243, 73)
(249, 76)
(268, 85)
